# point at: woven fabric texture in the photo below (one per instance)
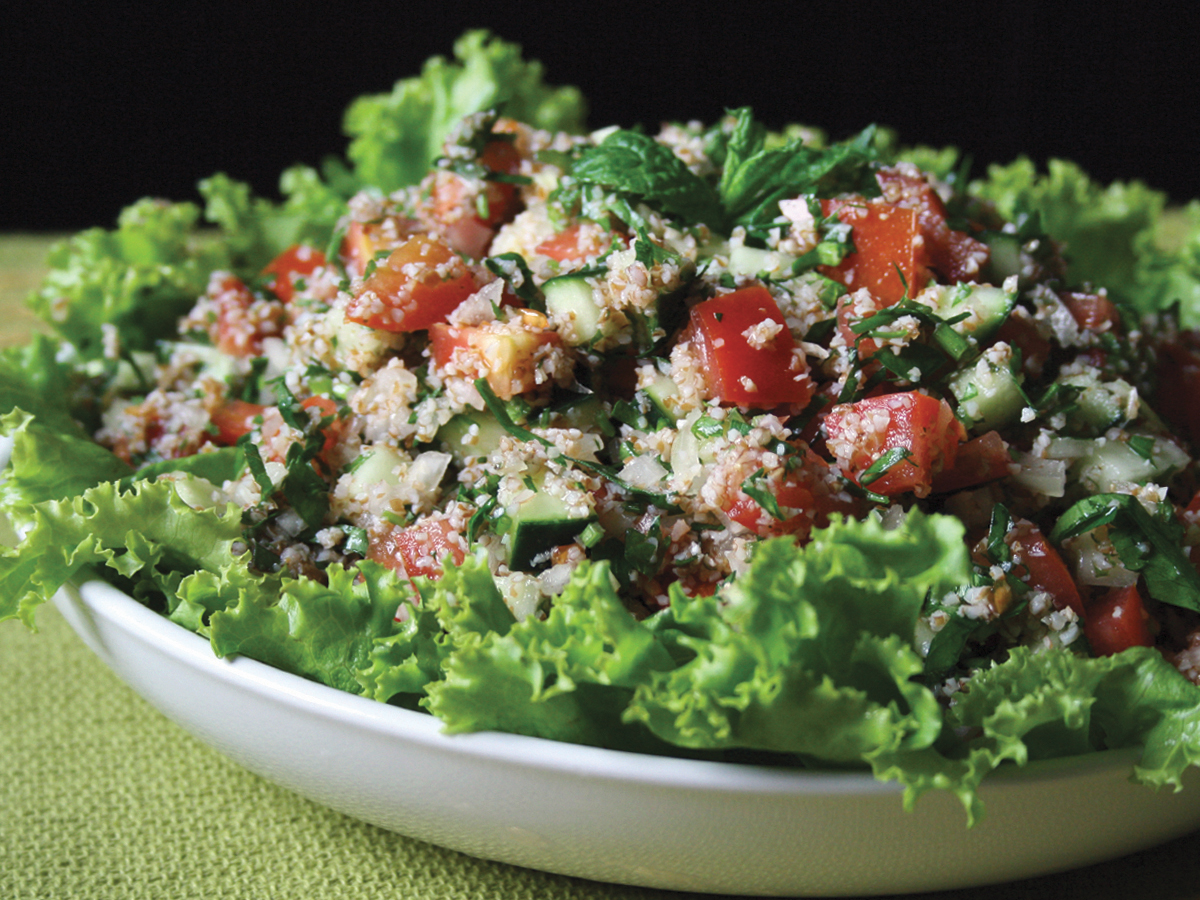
(102, 798)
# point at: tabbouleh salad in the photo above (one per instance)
(716, 441)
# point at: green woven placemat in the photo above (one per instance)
(102, 797)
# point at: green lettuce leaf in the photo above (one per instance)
(1055, 704)
(320, 631)
(568, 677)
(33, 378)
(396, 137)
(148, 533)
(810, 651)
(47, 463)
(139, 278)
(255, 230)
(1118, 236)
(463, 604)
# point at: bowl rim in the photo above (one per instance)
(121, 610)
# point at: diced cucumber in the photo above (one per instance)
(379, 463)
(1111, 464)
(571, 302)
(663, 393)
(1100, 405)
(753, 261)
(471, 435)
(986, 306)
(989, 391)
(541, 523)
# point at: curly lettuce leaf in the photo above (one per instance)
(1055, 704)
(810, 651)
(49, 463)
(396, 137)
(33, 378)
(138, 278)
(568, 677)
(320, 631)
(147, 534)
(256, 230)
(1118, 236)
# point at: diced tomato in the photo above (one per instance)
(578, 242)
(748, 353)
(467, 215)
(421, 282)
(922, 429)
(854, 308)
(241, 320)
(234, 418)
(292, 265)
(327, 409)
(1117, 621)
(979, 461)
(1092, 312)
(1044, 569)
(953, 254)
(889, 257)
(418, 550)
(506, 358)
(802, 491)
(1178, 373)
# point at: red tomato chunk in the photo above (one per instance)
(889, 257)
(1117, 621)
(290, 268)
(421, 282)
(923, 432)
(419, 550)
(748, 353)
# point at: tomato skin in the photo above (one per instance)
(418, 550)
(1092, 312)
(293, 264)
(240, 320)
(922, 425)
(1117, 621)
(977, 462)
(327, 409)
(953, 254)
(776, 373)
(421, 282)
(889, 257)
(508, 360)
(234, 418)
(1044, 568)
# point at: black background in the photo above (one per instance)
(104, 103)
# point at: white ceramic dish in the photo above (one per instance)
(622, 817)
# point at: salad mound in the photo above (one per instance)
(718, 442)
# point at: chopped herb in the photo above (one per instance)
(755, 487)
(883, 464)
(1143, 446)
(357, 540)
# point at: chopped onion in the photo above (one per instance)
(1047, 477)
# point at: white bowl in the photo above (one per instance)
(623, 817)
